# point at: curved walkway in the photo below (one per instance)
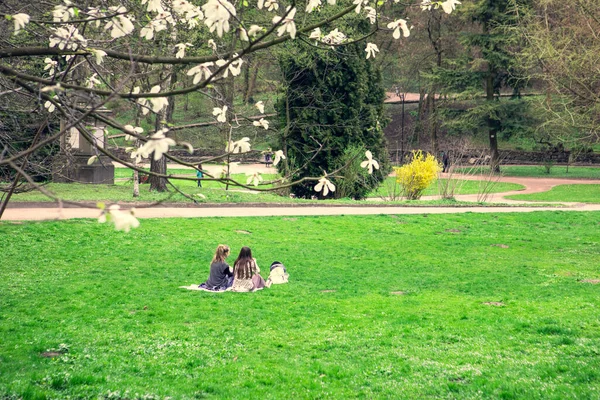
(45, 211)
(532, 185)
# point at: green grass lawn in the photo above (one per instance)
(491, 306)
(571, 193)
(462, 187)
(212, 191)
(538, 171)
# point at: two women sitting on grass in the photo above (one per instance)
(243, 277)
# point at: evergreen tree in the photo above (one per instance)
(489, 65)
(332, 111)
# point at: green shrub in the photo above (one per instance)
(417, 175)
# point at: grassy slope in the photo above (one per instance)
(575, 193)
(113, 299)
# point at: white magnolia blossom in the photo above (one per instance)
(448, 6)
(243, 34)
(157, 144)
(359, 4)
(155, 26)
(312, 4)
(371, 14)
(20, 21)
(325, 185)
(52, 88)
(181, 49)
(50, 65)
(201, 71)
(397, 25)
(93, 80)
(217, 13)
(187, 145)
(120, 25)
(253, 177)
(331, 2)
(154, 6)
(371, 49)
(141, 101)
(212, 44)
(220, 113)
(50, 106)
(229, 167)
(189, 11)
(287, 25)
(262, 122)
(123, 220)
(270, 5)
(67, 37)
(98, 54)
(315, 34)
(158, 103)
(260, 106)
(241, 146)
(62, 13)
(95, 13)
(132, 131)
(234, 67)
(92, 160)
(334, 37)
(278, 157)
(370, 163)
(255, 30)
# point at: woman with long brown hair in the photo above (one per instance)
(221, 274)
(246, 273)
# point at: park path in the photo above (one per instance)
(46, 211)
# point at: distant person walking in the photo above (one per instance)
(199, 175)
(268, 158)
(445, 162)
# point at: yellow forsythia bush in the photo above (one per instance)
(416, 176)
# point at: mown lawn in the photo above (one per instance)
(538, 171)
(427, 306)
(213, 192)
(588, 193)
(459, 186)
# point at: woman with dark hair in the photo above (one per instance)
(246, 274)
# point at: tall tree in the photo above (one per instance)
(333, 102)
(487, 64)
(562, 50)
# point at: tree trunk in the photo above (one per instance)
(136, 174)
(432, 121)
(171, 106)
(158, 166)
(252, 82)
(493, 126)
